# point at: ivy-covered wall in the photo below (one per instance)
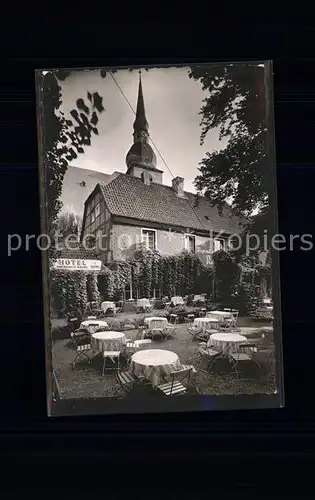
(237, 281)
(71, 290)
(148, 271)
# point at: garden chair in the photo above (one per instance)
(175, 387)
(246, 354)
(203, 312)
(113, 356)
(82, 351)
(129, 350)
(189, 318)
(169, 331)
(231, 321)
(208, 353)
(81, 336)
(174, 319)
(157, 332)
(141, 332)
(196, 333)
(125, 380)
(141, 342)
(74, 323)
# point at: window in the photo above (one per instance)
(128, 291)
(219, 244)
(149, 238)
(156, 293)
(97, 210)
(190, 243)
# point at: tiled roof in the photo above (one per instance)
(127, 196)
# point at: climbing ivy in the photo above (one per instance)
(69, 290)
(93, 293)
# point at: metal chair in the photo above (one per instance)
(169, 331)
(207, 352)
(125, 380)
(175, 387)
(82, 351)
(79, 337)
(173, 319)
(203, 312)
(114, 357)
(246, 353)
(196, 333)
(157, 332)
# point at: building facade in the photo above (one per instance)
(135, 208)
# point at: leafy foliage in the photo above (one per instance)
(227, 274)
(69, 224)
(93, 293)
(235, 104)
(63, 138)
(69, 290)
(235, 282)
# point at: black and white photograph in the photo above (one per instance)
(159, 215)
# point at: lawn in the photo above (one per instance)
(86, 379)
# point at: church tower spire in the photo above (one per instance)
(141, 159)
(140, 125)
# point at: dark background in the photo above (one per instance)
(247, 446)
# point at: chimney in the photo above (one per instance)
(178, 186)
(146, 178)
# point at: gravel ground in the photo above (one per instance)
(86, 379)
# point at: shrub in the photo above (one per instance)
(247, 300)
(159, 304)
(118, 325)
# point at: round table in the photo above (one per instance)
(153, 364)
(143, 303)
(220, 315)
(204, 322)
(107, 341)
(92, 324)
(158, 319)
(226, 342)
(177, 301)
(107, 305)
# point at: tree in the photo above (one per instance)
(69, 223)
(236, 105)
(63, 138)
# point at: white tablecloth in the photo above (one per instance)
(93, 324)
(177, 301)
(143, 303)
(107, 305)
(154, 364)
(220, 315)
(199, 298)
(156, 322)
(108, 341)
(226, 342)
(267, 301)
(206, 322)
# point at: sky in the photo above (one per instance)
(172, 102)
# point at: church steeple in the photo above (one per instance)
(141, 157)
(140, 125)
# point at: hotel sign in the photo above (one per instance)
(77, 265)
